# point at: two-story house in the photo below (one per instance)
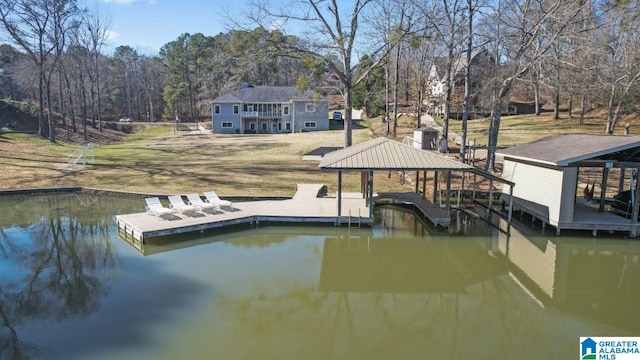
(269, 109)
(482, 65)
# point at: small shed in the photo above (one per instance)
(425, 138)
(550, 172)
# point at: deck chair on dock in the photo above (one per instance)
(178, 205)
(155, 208)
(213, 198)
(195, 200)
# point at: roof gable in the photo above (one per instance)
(386, 154)
(480, 57)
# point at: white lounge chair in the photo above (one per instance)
(195, 200)
(155, 208)
(213, 198)
(179, 206)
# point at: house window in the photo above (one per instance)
(236, 109)
(310, 124)
(287, 126)
(264, 126)
(285, 110)
(216, 109)
(279, 126)
(227, 125)
(310, 107)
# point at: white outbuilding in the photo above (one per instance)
(556, 178)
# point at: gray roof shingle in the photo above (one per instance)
(266, 94)
(564, 149)
(386, 154)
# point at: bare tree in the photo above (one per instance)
(331, 34)
(445, 17)
(39, 28)
(95, 26)
(471, 9)
(421, 46)
(623, 58)
(526, 40)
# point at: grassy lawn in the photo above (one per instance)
(155, 160)
(525, 128)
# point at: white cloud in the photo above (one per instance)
(112, 35)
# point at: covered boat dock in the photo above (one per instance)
(383, 154)
(557, 178)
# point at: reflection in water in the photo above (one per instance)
(397, 291)
(56, 262)
(382, 266)
(378, 298)
(595, 279)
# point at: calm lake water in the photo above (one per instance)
(70, 288)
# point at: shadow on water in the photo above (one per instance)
(58, 264)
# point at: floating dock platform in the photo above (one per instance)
(305, 207)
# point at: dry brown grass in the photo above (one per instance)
(159, 162)
(154, 160)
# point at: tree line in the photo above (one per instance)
(579, 54)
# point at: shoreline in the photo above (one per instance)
(98, 191)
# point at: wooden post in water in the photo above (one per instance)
(370, 182)
(424, 184)
(461, 190)
(475, 187)
(447, 206)
(636, 205)
(490, 198)
(435, 185)
(339, 193)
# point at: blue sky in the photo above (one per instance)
(146, 25)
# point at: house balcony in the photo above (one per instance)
(262, 114)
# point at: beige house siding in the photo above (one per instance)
(570, 181)
(539, 185)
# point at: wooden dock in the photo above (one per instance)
(435, 214)
(304, 207)
(585, 217)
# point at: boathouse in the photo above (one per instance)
(574, 181)
(382, 154)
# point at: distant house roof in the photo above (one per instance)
(480, 56)
(267, 94)
(565, 149)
